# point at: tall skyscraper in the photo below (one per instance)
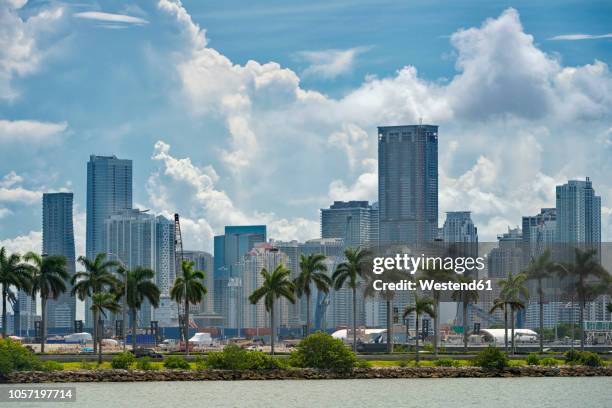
(109, 190)
(578, 213)
(139, 239)
(408, 183)
(229, 250)
(539, 232)
(355, 222)
(58, 239)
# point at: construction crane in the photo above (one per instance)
(178, 258)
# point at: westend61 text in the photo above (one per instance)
(481, 284)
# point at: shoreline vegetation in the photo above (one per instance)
(318, 356)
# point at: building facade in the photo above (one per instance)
(355, 222)
(58, 239)
(408, 184)
(203, 261)
(229, 250)
(138, 239)
(109, 190)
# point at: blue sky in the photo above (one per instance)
(235, 112)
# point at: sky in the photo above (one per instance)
(240, 112)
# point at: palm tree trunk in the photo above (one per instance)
(465, 327)
(435, 322)
(186, 324)
(308, 314)
(505, 329)
(99, 334)
(272, 330)
(43, 323)
(389, 328)
(541, 299)
(512, 330)
(133, 329)
(95, 333)
(4, 325)
(355, 320)
(581, 331)
(416, 347)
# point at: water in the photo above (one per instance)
(428, 393)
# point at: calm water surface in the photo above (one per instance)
(426, 393)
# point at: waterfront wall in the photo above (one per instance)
(301, 374)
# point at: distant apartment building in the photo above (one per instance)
(355, 222)
(229, 250)
(578, 213)
(109, 190)
(58, 239)
(263, 255)
(203, 261)
(408, 184)
(508, 256)
(138, 239)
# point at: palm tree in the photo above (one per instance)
(390, 276)
(513, 292)
(500, 304)
(349, 272)
(96, 278)
(539, 269)
(465, 297)
(421, 306)
(48, 277)
(312, 270)
(12, 273)
(589, 277)
(437, 275)
(100, 303)
(275, 285)
(139, 288)
(188, 288)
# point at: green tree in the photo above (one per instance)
(421, 306)
(312, 271)
(541, 268)
(390, 276)
(12, 273)
(101, 302)
(513, 292)
(436, 274)
(588, 276)
(349, 272)
(139, 287)
(97, 277)
(188, 288)
(275, 285)
(48, 277)
(465, 297)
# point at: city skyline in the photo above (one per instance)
(198, 149)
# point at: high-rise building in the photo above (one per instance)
(539, 232)
(459, 228)
(263, 255)
(203, 261)
(354, 221)
(228, 252)
(58, 239)
(508, 256)
(138, 239)
(109, 189)
(578, 213)
(408, 183)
